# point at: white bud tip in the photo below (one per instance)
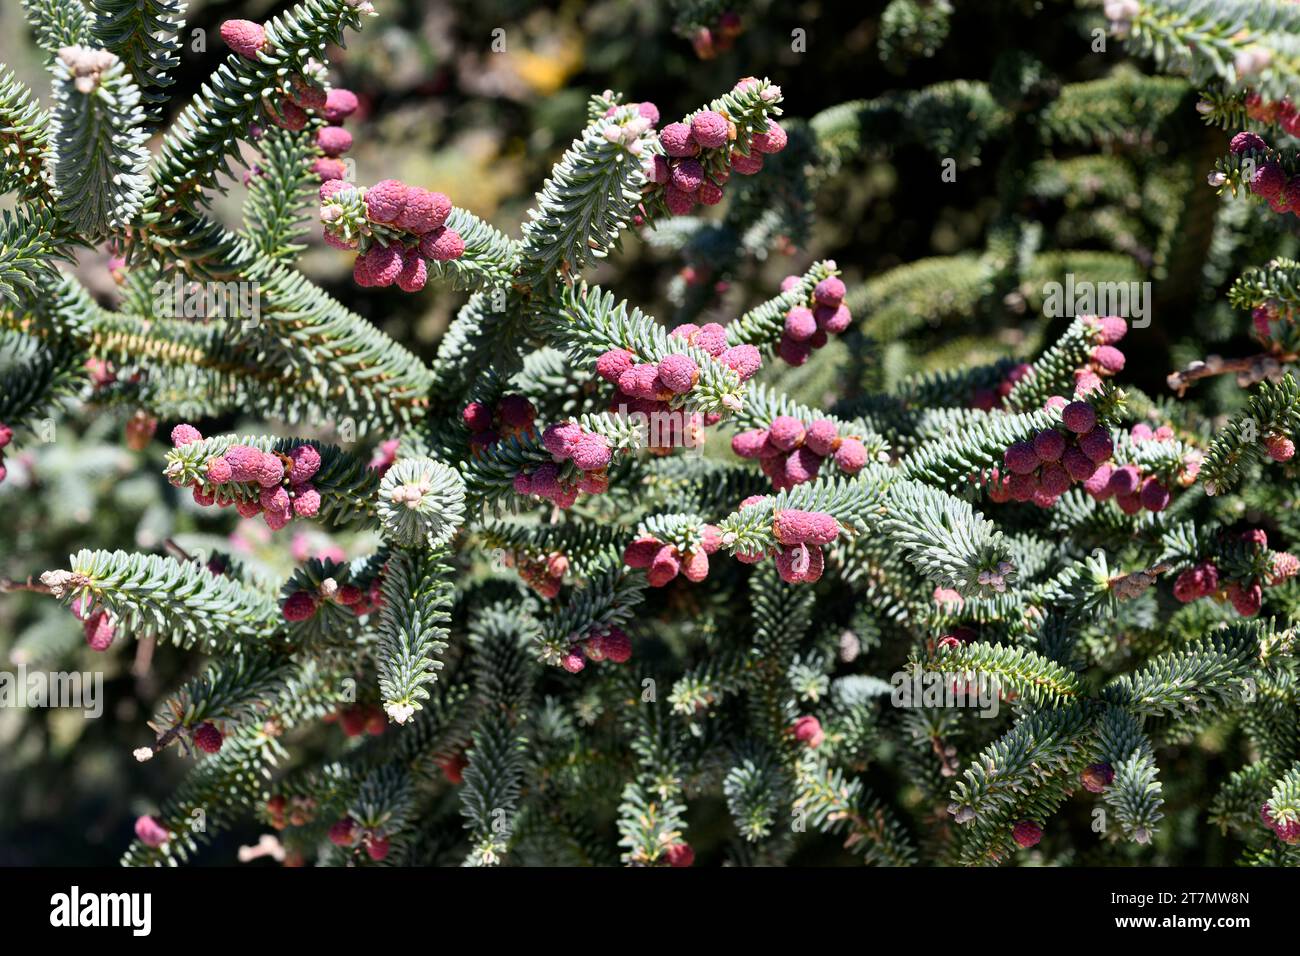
(142, 754)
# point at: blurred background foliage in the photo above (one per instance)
(449, 103)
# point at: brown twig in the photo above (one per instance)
(1249, 369)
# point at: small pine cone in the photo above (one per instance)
(746, 165)
(270, 471)
(383, 264)
(709, 194)
(821, 437)
(786, 432)
(1285, 567)
(773, 141)
(329, 169)
(248, 509)
(750, 444)
(591, 452)
(1108, 359)
(99, 631)
(385, 200)
(1097, 445)
(1097, 777)
(710, 129)
(808, 730)
(851, 456)
(1049, 445)
(1154, 496)
(515, 411)
(245, 462)
(1079, 417)
(339, 105)
(696, 566)
(343, 832)
(679, 202)
(442, 245)
(1245, 599)
(244, 37)
(1124, 481)
(1246, 141)
(800, 324)
(306, 462)
(745, 360)
(687, 175)
(1020, 458)
(207, 738)
(832, 319)
(573, 662)
(1027, 833)
(218, 471)
(306, 501)
(679, 854)
(181, 435)
(1269, 181)
(678, 372)
(664, 566)
(617, 646)
(424, 211)
(299, 606)
(712, 338)
(414, 272)
(1280, 448)
(289, 115)
(804, 527)
(150, 832)
(677, 140)
(333, 140)
(830, 292)
(614, 363)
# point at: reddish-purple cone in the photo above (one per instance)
(516, 411)
(424, 211)
(219, 471)
(808, 730)
(746, 165)
(1020, 458)
(786, 432)
(851, 456)
(773, 141)
(793, 526)
(744, 359)
(687, 175)
(442, 245)
(306, 501)
(1154, 496)
(1097, 777)
(343, 832)
(591, 452)
(1078, 464)
(184, 434)
(333, 140)
(243, 37)
(821, 436)
(299, 606)
(709, 129)
(832, 319)
(150, 832)
(383, 264)
(306, 462)
(676, 140)
(800, 324)
(678, 201)
(385, 200)
(679, 854)
(830, 291)
(1027, 833)
(678, 372)
(614, 363)
(1049, 445)
(207, 738)
(339, 105)
(414, 274)
(1097, 445)
(1079, 417)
